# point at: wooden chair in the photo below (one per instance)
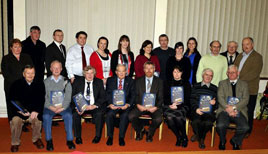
(147, 117)
(105, 125)
(231, 126)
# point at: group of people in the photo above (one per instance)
(97, 74)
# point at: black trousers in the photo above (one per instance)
(97, 115)
(251, 108)
(137, 123)
(123, 124)
(202, 124)
(223, 121)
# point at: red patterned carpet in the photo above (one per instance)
(257, 140)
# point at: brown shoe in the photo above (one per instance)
(39, 144)
(14, 148)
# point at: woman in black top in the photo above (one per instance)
(178, 60)
(123, 55)
(12, 67)
(194, 57)
(174, 112)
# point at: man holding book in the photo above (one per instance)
(121, 97)
(232, 111)
(57, 101)
(149, 101)
(27, 97)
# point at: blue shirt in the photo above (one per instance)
(53, 78)
(243, 60)
(191, 57)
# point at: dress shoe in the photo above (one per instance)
(50, 145)
(202, 144)
(194, 138)
(96, 139)
(39, 144)
(235, 146)
(184, 142)
(140, 135)
(78, 140)
(149, 137)
(14, 148)
(222, 146)
(109, 141)
(121, 141)
(178, 142)
(70, 145)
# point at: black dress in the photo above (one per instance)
(184, 63)
(176, 118)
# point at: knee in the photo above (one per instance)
(16, 120)
(158, 120)
(221, 125)
(243, 128)
(110, 114)
(132, 116)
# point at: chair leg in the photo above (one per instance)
(213, 134)
(187, 126)
(105, 130)
(160, 131)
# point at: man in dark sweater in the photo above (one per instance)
(36, 49)
(163, 53)
(30, 94)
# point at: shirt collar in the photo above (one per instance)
(233, 81)
(244, 54)
(57, 43)
(203, 83)
(53, 78)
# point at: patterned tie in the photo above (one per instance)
(120, 87)
(148, 86)
(84, 62)
(61, 49)
(88, 88)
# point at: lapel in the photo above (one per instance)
(247, 63)
(59, 52)
(82, 85)
(142, 85)
(238, 86)
(229, 88)
(126, 82)
(154, 85)
(95, 88)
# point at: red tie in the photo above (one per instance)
(83, 58)
(120, 87)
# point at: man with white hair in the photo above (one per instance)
(231, 53)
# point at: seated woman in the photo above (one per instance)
(101, 60)
(178, 60)
(203, 121)
(123, 55)
(175, 112)
(146, 55)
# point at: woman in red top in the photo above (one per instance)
(146, 55)
(101, 60)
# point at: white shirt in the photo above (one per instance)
(74, 59)
(105, 66)
(91, 96)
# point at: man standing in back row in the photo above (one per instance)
(249, 64)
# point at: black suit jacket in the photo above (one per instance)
(157, 88)
(128, 87)
(225, 55)
(53, 53)
(98, 91)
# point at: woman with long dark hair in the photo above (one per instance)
(123, 55)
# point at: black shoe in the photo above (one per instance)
(78, 140)
(121, 141)
(194, 138)
(235, 146)
(70, 145)
(24, 128)
(14, 148)
(96, 139)
(140, 135)
(149, 137)
(202, 144)
(50, 145)
(222, 146)
(178, 142)
(184, 142)
(109, 141)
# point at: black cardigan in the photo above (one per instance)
(114, 62)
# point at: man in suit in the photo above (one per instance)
(236, 112)
(34, 47)
(249, 65)
(231, 52)
(56, 51)
(93, 90)
(147, 84)
(119, 82)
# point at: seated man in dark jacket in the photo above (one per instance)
(30, 95)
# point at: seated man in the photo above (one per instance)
(93, 90)
(147, 84)
(57, 101)
(119, 82)
(31, 95)
(232, 111)
(203, 121)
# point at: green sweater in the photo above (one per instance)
(218, 64)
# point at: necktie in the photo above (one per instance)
(61, 49)
(120, 87)
(84, 62)
(88, 88)
(231, 60)
(148, 88)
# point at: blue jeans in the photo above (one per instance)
(68, 121)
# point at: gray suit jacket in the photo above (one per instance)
(225, 90)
